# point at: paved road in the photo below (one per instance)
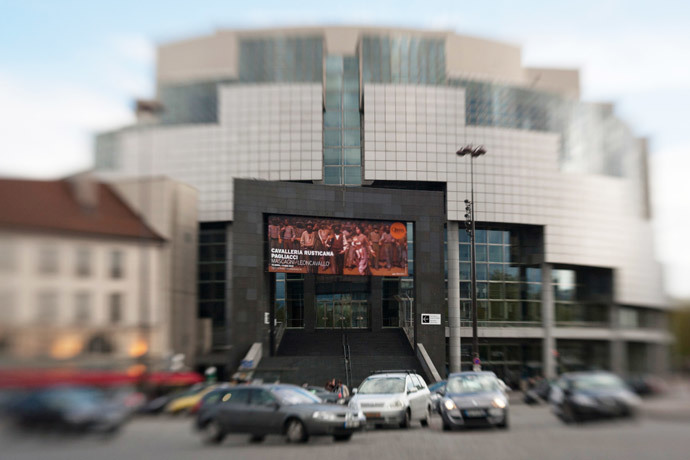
(534, 434)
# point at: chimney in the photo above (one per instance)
(84, 187)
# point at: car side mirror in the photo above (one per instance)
(411, 390)
(354, 391)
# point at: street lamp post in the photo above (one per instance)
(473, 152)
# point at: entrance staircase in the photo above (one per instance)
(318, 356)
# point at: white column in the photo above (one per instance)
(547, 318)
(453, 296)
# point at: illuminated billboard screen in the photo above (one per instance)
(336, 246)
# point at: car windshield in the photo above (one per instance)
(292, 396)
(438, 386)
(472, 384)
(382, 385)
(597, 382)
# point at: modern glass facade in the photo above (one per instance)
(281, 59)
(190, 103)
(212, 277)
(508, 290)
(342, 146)
(403, 59)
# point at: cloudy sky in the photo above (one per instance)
(71, 68)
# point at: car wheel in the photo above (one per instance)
(342, 437)
(295, 431)
(212, 433)
(256, 438)
(569, 415)
(406, 420)
(446, 426)
(427, 418)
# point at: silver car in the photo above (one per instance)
(393, 398)
(472, 399)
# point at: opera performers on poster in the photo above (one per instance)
(336, 246)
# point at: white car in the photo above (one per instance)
(393, 398)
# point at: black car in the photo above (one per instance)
(582, 396)
(68, 409)
(260, 410)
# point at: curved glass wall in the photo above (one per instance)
(281, 59)
(403, 59)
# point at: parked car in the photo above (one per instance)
(260, 410)
(436, 391)
(393, 398)
(474, 399)
(76, 410)
(647, 385)
(208, 406)
(185, 402)
(581, 396)
(323, 394)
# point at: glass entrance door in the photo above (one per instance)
(337, 311)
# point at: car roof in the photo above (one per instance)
(460, 374)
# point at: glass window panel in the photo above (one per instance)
(463, 237)
(534, 275)
(482, 290)
(465, 252)
(352, 157)
(332, 119)
(480, 236)
(332, 175)
(511, 273)
(465, 271)
(334, 64)
(506, 254)
(351, 119)
(506, 237)
(334, 82)
(351, 138)
(513, 311)
(498, 311)
(351, 101)
(512, 291)
(353, 175)
(564, 277)
(331, 138)
(534, 291)
(496, 291)
(495, 253)
(482, 308)
(496, 272)
(351, 65)
(534, 311)
(331, 157)
(495, 237)
(480, 251)
(482, 272)
(351, 84)
(465, 290)
(333, 99)
(564, 292)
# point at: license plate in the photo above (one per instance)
(475, 413)
(372, 414)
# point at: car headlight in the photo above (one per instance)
(326, 416)
(397, 404)
(500, 403)
(449, 404)
(584, 400)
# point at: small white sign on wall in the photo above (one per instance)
(431, 319)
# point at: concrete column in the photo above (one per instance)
(453, 297)
(548, 320)
(618, 360)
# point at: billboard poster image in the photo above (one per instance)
(336, 246)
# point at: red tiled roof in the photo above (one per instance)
(51, 206)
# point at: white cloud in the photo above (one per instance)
(47, 129)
